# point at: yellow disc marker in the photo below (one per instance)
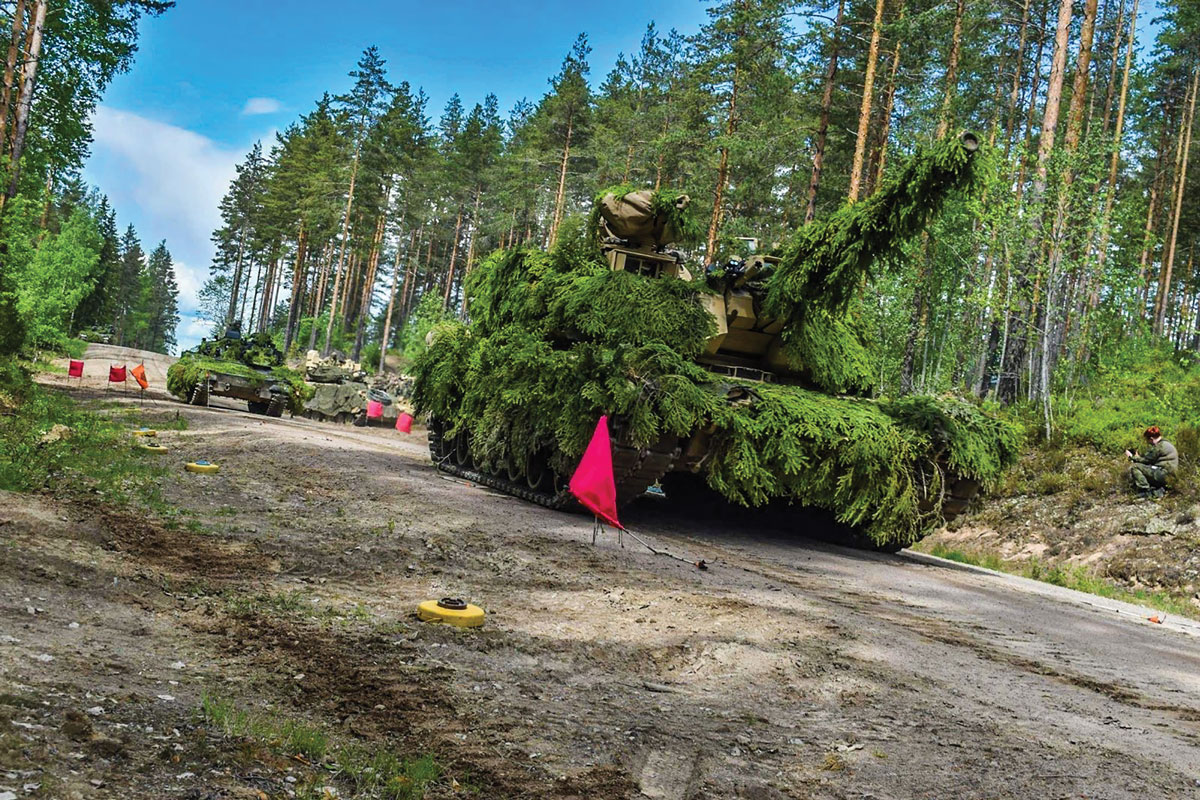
(145, 432)
(153, 448)
(451, 611)
(202, 467)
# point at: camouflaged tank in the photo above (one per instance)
(341, 390)
(250, 369)
(746, 380)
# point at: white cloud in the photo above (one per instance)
(189, 279)
(261, 105)
(191, 330)
(168, 182)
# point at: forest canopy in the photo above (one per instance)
(65, 270)
(1080, 243)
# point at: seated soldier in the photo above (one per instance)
(1151, 469)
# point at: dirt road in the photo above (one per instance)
(787, 669)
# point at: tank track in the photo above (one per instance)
(634, 470)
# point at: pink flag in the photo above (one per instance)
(593, 484)
(75, 370)
(404, 422)
(374, 409)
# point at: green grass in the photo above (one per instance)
(294, 602)
(89, 453)
(364, 772)
(241, 604)
(1078, 578)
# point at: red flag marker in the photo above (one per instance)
(75, 370)
(116, 374)
(593, 484)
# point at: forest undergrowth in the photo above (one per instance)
(52, 443)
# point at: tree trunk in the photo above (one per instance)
(823, 126)
(1015, 94)
(342, 253)
(322, 283)
(889, 104)
(387, 320)
(10, 66)
(237, 277)
(364, 309)
(264, 316)
(1115, 159)
(952, 70)
(1031, 111)
(1057, 243)
(864, 112)
(714, 225)
(1152, 212)
(25, 100)
(1053, 100)
(560, 199)
(410, 273)
(1115, 59)
(454, 255)
(350, 286)
(298, 277)
(333, 298)
(916, 325)
(1082, 72)
(1019, 325)
(1169, 256)
(471, 248)
(258, 287)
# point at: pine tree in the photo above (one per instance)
(127, 323)
(565, 118)
(162, 301)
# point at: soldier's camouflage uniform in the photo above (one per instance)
(1151, 468)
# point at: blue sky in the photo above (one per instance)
(213, 76)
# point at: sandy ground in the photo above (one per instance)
(787, 669)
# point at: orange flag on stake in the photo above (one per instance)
(593, 484)
(139, 375)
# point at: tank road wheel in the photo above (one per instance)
(200, 394)
(559, 482)
(276, 406)
(961, 492)
(513, 471)
(257, 406)
(462, 450)
(536, 472)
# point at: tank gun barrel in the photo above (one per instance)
(825, 262)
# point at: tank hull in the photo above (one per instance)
(260, 398)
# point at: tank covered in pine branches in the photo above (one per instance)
(250, 369)
(748, 379)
